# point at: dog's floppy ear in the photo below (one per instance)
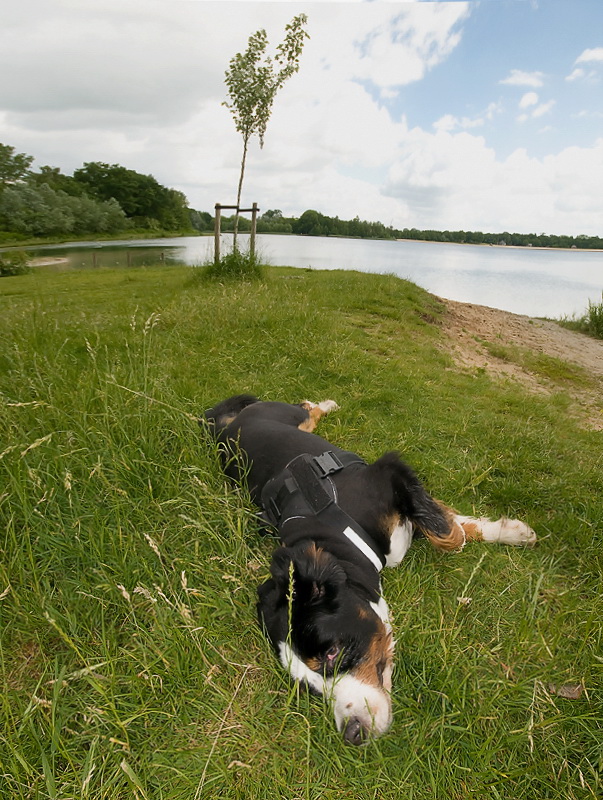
(304, 579)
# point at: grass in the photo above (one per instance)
(542, 365)
(236, 265)
(130, 660)
(591, 322)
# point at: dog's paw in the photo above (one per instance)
(508, 531)
(326, 406)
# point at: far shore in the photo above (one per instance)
(120, 240)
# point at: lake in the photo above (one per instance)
(533, 281)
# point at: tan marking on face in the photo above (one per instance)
(376, 667)
(317, 554)
(314, 664)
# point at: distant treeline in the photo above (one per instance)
(107, 200)
(312, 223)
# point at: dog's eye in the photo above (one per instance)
(332, 653)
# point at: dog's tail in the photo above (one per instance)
(223, 413)
(427, 515)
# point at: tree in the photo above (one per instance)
(142, 198)
(253, 79)
(57, 181)
(13, 166)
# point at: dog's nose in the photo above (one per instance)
(354, 732)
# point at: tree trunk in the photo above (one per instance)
(236, 222)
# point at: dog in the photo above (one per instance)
(340, 520)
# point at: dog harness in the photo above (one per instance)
(304, 489)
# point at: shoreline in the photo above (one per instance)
(506, 246)
(206, 234)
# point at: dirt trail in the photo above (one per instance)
(471, 328)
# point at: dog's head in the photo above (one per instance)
(329, 635)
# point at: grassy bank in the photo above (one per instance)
(131, 662)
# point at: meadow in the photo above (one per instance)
(130, 658)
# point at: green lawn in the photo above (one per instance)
(130, 659)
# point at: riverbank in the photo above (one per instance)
(539, 355)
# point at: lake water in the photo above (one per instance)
(537, 282)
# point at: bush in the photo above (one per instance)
(13, 263)
(235, 265)
(594, 319)
(590, 323)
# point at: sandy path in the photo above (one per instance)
(468, 326)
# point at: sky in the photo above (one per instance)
(444, 115)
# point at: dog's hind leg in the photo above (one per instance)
(481, 529)
(503, 531)
(316, 412)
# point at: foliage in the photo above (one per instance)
(312, 223)
(236, 265)
(131, 664)
(53, 177)
(13, 166)
(13, 262)
(201, 220)
(590, 323)
(595, 319)
(272, 221)
(40, 210)
(145, 201)
(253, 80)
(98, 199)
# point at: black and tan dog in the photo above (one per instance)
(340, 520)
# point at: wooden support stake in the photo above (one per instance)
(254, 214)
(217, 234)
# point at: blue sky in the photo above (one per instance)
(499, 36)
(476, 115)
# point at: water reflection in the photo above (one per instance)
(524, 280)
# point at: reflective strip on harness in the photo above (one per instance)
(364, 548)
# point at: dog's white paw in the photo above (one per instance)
(508, 531)
(326, 406)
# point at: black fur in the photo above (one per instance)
(322, 592)
(265, 437)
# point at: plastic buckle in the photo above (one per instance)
(327, 464)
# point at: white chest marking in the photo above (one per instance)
(400, 541)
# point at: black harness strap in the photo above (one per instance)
(302, 490)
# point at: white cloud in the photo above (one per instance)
(576, 74)
(519, 78)
(543, 109)
(404, 46)
(529, 99)
(450, 123)
(593, 54)
(455, 181)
